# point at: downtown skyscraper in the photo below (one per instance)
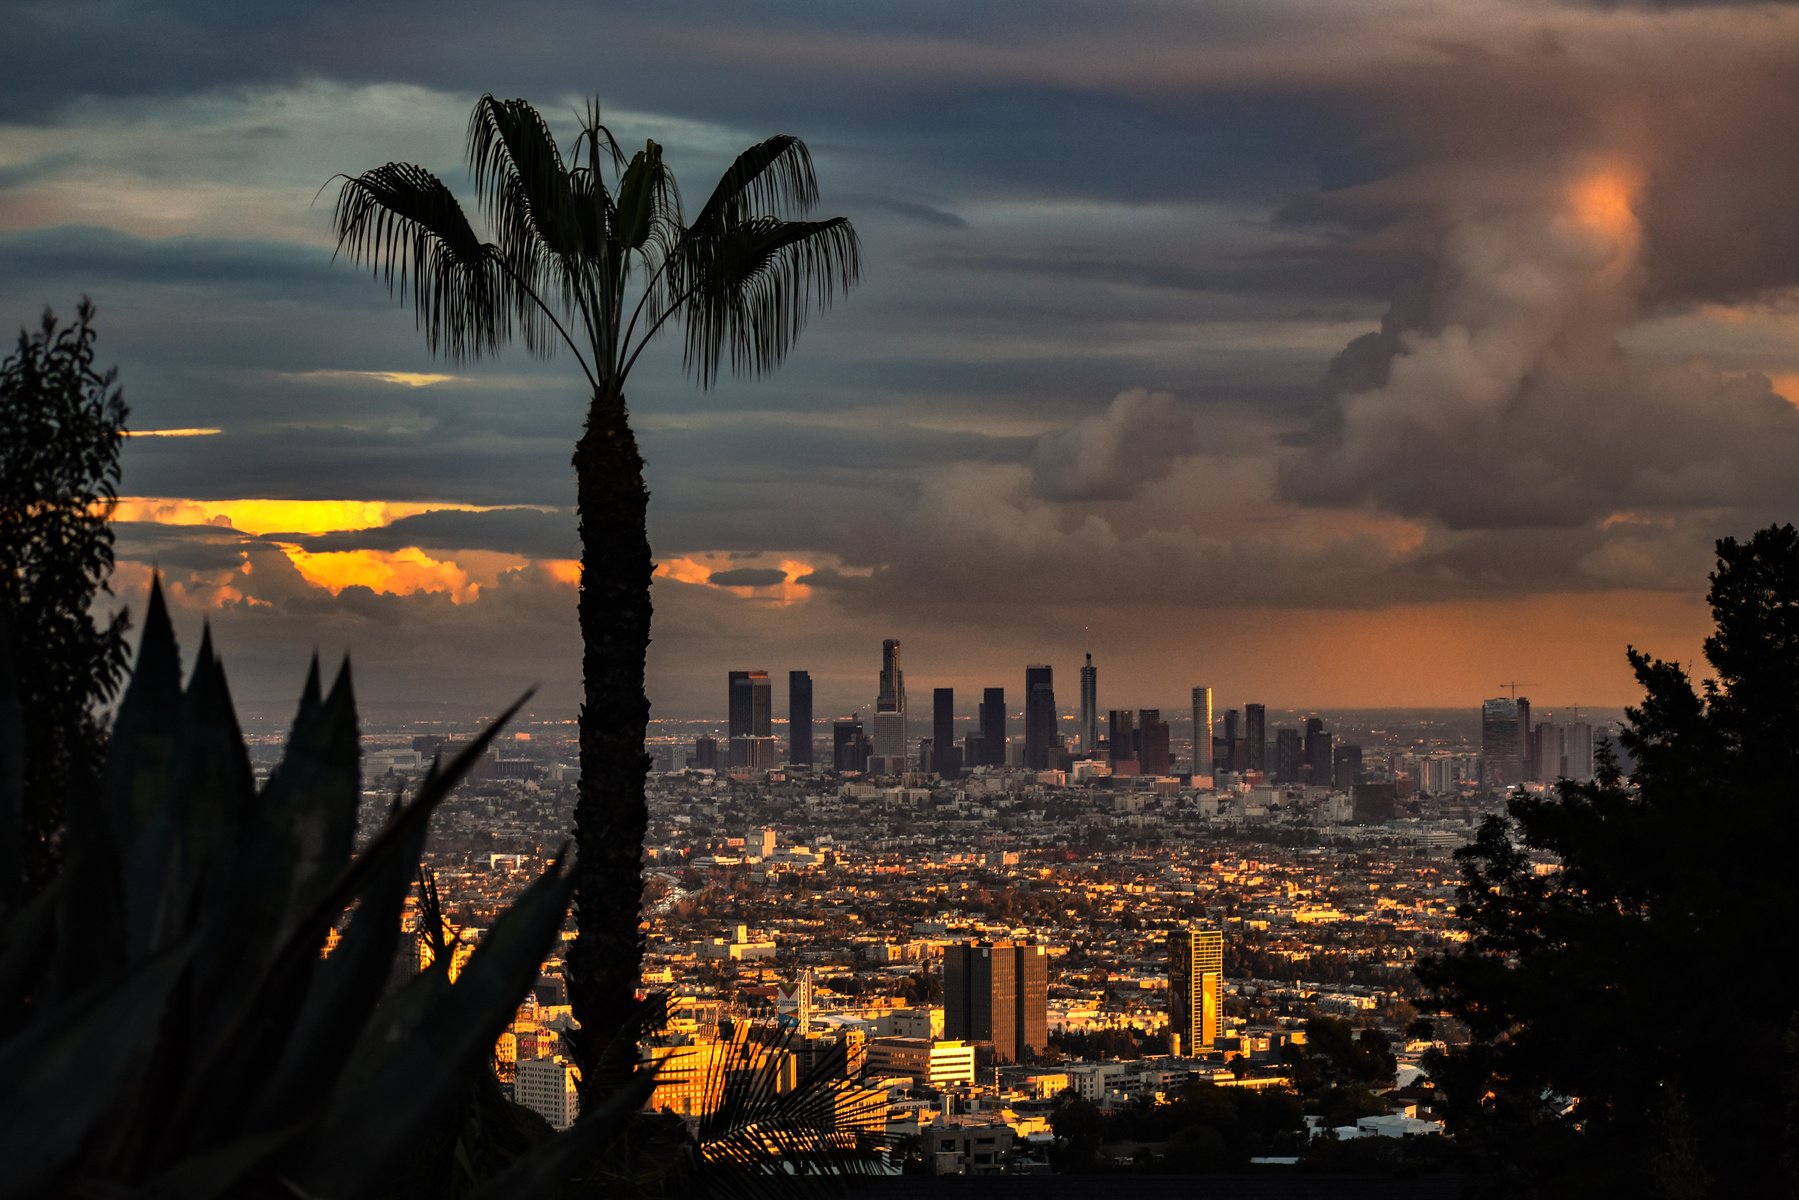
(1202, 731)
(1039, 717)
(993, 727)
(1089, 707)
(1195, 989)
(799, 717)
(890, 712)
(997, 992)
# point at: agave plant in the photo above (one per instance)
(169, 1024)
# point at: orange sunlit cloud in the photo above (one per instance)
(395, 572)
(260, 517)
(1604, 201)
(173, 433)
(699, 569)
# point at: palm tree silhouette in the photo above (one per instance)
(601, 271)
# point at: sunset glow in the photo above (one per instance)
(397, 573)
(262, 517)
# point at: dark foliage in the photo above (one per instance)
(1204, 1130)
(1624, 979)
(169, 1024)
(61, 423)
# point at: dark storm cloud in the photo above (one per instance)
(180, 548)
(525, 531)
(750, 577)
(94, 257)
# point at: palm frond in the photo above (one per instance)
(752, 289)
(546, 230)
(761, 1136)
(774, 177)
(403, 223)
(520, 177)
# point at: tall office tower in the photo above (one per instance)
(751, 714)
(1121, 737)
(946, 758)
(890, 706)
(1286, 756)
(1233, 750)
(1346, 767)
(799, 717)
(1039, 717)
(993, 727)
(1501, 749)
(1195, 989)
(1544, 753)
(1152, 742)
(1090, 708)
(1202, 731)
(1317, 754)
(1255, 732)
(1527, 758)
(752, 719)
(849, 745)
(997, 992)
(705, 754)
(1577, 751)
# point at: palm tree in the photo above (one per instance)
(600, 271)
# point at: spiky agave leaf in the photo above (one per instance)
(424, 1040)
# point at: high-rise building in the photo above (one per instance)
(1152, 742)
(1039, 717)
(1501, 743)
(1346, 767)
(1286, 756)
(752, 710)
(1577, 751)
(849, 745)
(1233, 739)
(997, 992)
(1195, 989)
(946, 758)
(890, 706)
(705, 753)
(1090, 708)
(993, 727)
(1255, 735)
(1121, 736)
(799, 717)
(1202, 731)
(1527, 762)
(1318, 761)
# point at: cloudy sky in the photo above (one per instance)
(1332, 354)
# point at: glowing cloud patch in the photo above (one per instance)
(395, 572)
(173, 433)
(411, 379)
(701, 568)
(259, 517)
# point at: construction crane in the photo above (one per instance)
(1514, 685)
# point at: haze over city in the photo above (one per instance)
(1343, 356)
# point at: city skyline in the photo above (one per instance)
(1364, 356)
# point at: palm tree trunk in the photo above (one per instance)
(605, 960)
